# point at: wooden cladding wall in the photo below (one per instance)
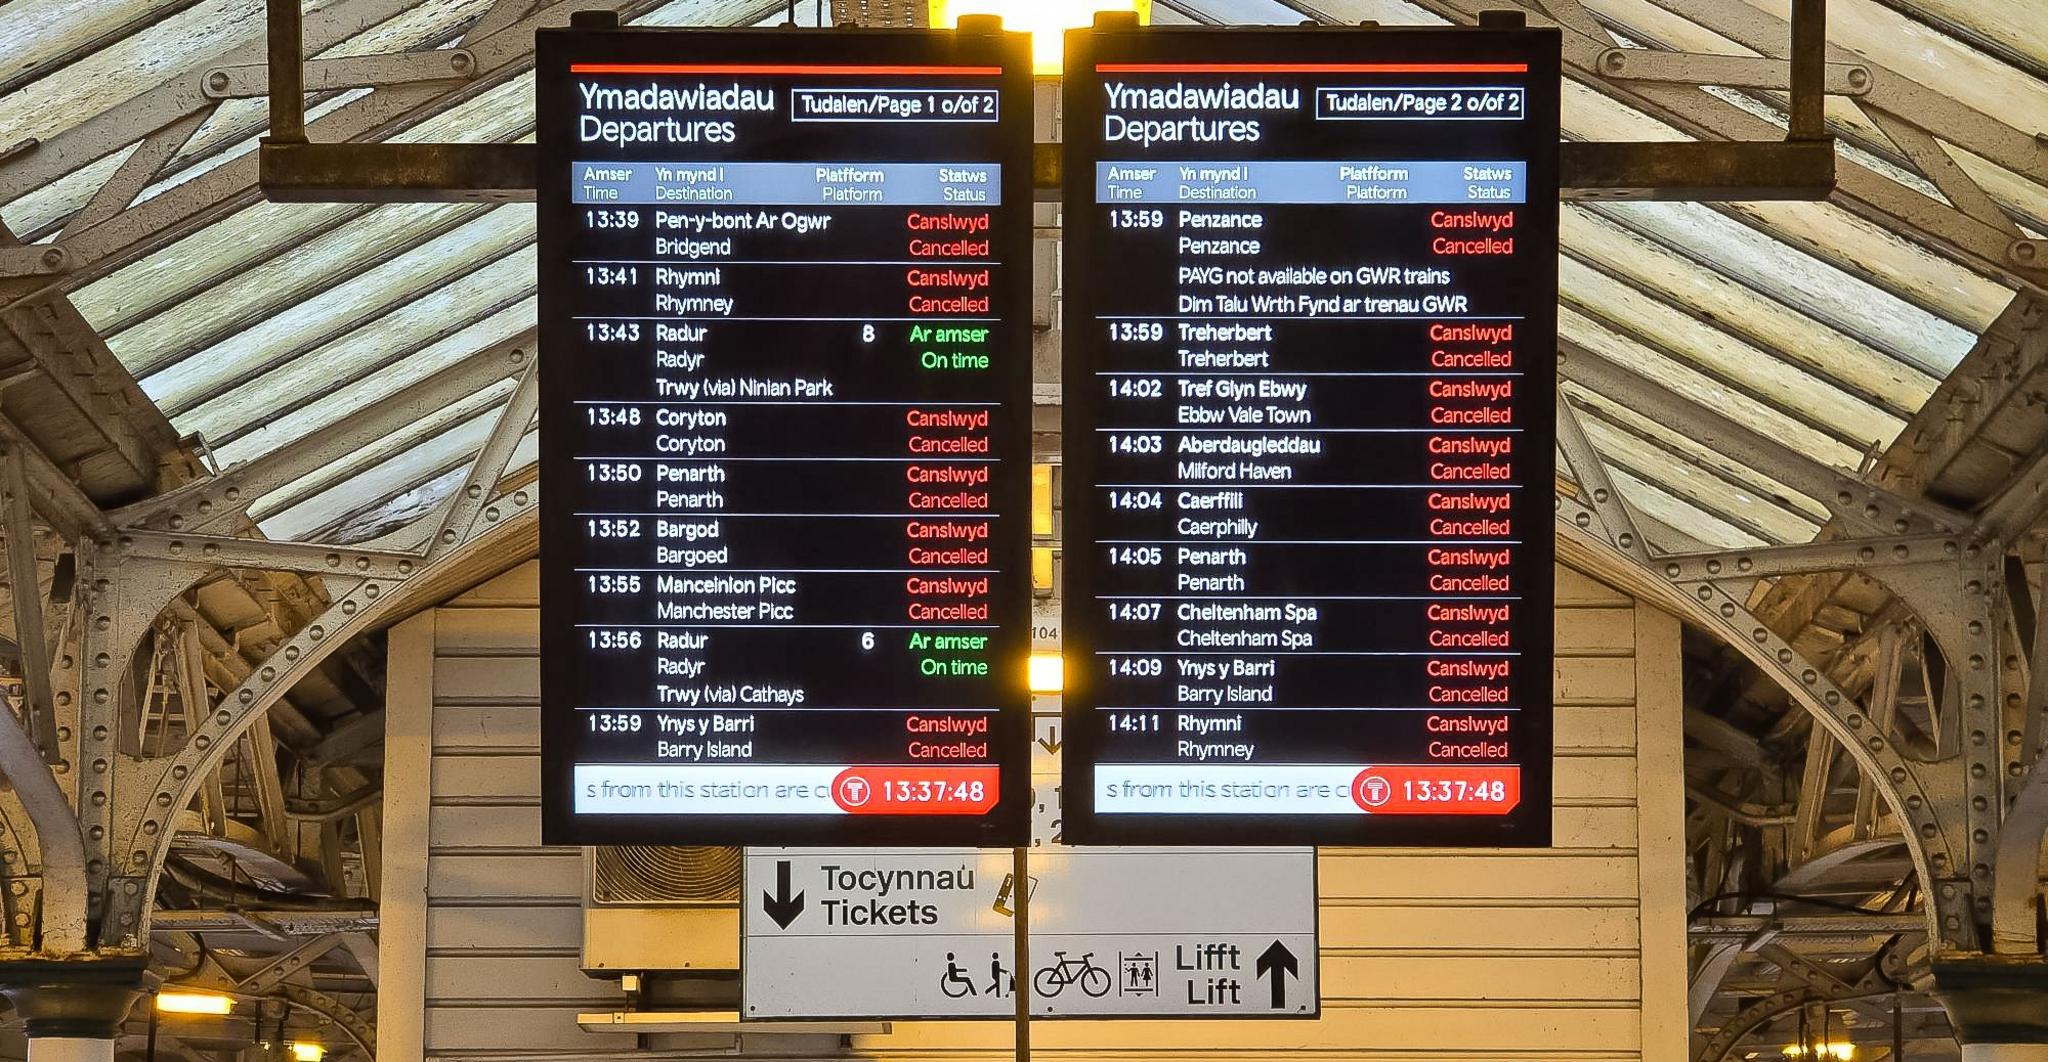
(1569, 954)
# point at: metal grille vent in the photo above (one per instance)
(882, 14)
(640, 874)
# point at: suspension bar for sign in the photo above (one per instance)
(248, 80)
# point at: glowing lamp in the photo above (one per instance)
(306, 1051)
(1046, 20)
(194, 1003)
(1041, 569)
(1041, 499)
(1048, 673)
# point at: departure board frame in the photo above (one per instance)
(965, 73)
(1106, 269)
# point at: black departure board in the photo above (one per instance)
(1311, 290)
(784, 436)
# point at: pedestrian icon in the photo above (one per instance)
(1000, 983)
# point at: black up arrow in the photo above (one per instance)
(1279, 962)
(784, 908)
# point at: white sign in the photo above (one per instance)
(1115, 933)
(1174, 933)
(875, 932)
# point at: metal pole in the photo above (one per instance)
(287, 73)
(1809, 66)
(152, 1027)
(1020, 900)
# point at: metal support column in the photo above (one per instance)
(1809, 70)
(1020, 964)
(72, 1010)
(287, 73)
(1998, 1007)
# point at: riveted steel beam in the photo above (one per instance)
(481, 484)
(1595, 487)
(1761, 31)
(24, 574)
(204, 551)
(1861, 506)
(299, 958)
(1732, 71)
(2018, 504)
(1812, 801)
(351, 1021)
(246, 80)
(219, 500)
(1933, 161)
(134, 174)
(142, 837)
(2016, 869)
(1819, 556)
(161, 219)
(1914, 792)
(1803, 983)
(176, 97)
(1706, 117)
(1747, 927)
(62, 848)
(34, 260)
(1954, 587)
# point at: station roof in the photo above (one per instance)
(264, 322)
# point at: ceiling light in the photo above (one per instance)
(194, 1003)
(1046, 20)
(1048, 673)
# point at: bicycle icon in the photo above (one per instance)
(1054, 979)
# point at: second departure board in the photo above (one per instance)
(784, 433)
(1311, 290)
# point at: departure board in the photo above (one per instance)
(785, 436)
(1311, 284)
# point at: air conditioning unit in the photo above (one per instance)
(648, 909)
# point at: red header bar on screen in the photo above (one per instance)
(781, 68)
(1311, 68)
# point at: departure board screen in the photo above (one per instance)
(785, 436)
(1311, 284)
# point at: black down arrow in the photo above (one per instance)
(784, 908)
